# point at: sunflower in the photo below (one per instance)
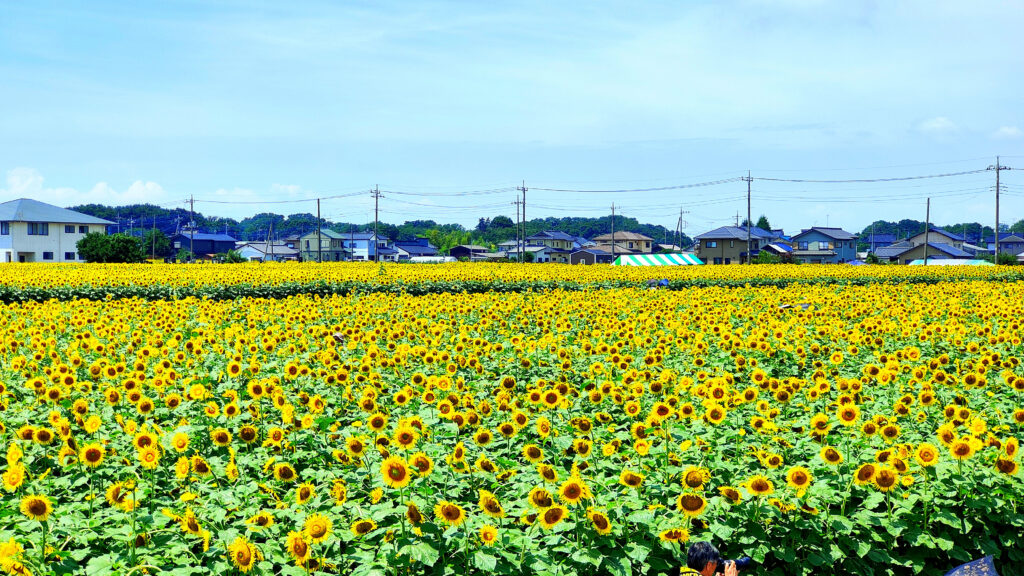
(831, 456)
(631, 479)
(730, 493)
(533, 453)
(91, 455)
(550, 517)
(220, 437)
(691, 504)
(395, 472)
(695, 477)
(1011, 447)
(317, 527)
(262, 519)
(599, 520)
(121, 495)
(36, 507)
(406, 437)
(926, 455)
(363, 527)
(1007, 466)
(304, 492)
(189, 523)
(422, 463)
(297, 547)
(886, 478)
(490, 505)
(865, 474)
(848, 414)
(799, 478)
(674, 535)
(180, 442)
(149, 457)
(573, 490)
(962, 449)
(488, 535)
(450, 513)
(284, 472)
(243, 554)
(412, 513)
(14, 477)
(758, 485)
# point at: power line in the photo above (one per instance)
(659, 189)
(868, 180)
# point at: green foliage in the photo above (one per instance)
(156, 243)
(766, 257)
(872, 259)
(233, 257)
(763, 223)
(98, 247)
(1005, 258)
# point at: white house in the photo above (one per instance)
(33, 231)
(362, 246)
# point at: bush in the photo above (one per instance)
(115, 248)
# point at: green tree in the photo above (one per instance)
(233, 257)
(1018, 227)
(99, 247)
(156, 243)
(763, 224)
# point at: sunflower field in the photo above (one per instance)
(821, 427)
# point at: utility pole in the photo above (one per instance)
(997, 167)
(523, 190)
(737, 218)
(613, 231)
(376, 205)
(749, 259)
(192, 228)
(270, 239)
(519, 239)
(679, 228)
(319, 240)
(872, 237)
(927, 228)
(153, 234)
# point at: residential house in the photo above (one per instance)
(363, 246)
(559, 243)
(906, 252)
(267, 251)
(591, 256)
(875, 241)
(466, 251)
(938, 236)
(324, 245)
(33, 231)
(420, 247)
(821, 245)
(203, 244)
(1010, 244)
(628, 241)
(541, 254)
(728, 244)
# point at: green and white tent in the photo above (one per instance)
(657, 260)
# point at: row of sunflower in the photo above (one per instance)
(556, 432)
(277, 280)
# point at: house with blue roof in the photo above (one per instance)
(417, 248)
(34, 231)
(203, 244)
(821, 245)
(728, 244)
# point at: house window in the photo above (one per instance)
(47, 255)
(307, 244)
(718, 260)
(83, 229)
(5, 228)
(630, 244)
(823, 245)
(80, 257)
(38, 229)
(711, 244)
(732, 243)
(803, 246)
(69, 255)
(69, 228)
(728, 260)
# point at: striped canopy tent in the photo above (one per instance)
(657, 260)
(951, 262)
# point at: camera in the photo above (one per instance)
(741, 563)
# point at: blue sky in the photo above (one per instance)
(276, 101)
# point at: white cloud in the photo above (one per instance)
(29, 183)
(938, 126)
(1007, 132)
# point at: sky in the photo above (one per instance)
(448, 106)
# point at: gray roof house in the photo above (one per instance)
(34, 231)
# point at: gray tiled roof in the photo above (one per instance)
(28, 210)
(735, 233)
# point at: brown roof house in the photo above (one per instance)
(631, 241)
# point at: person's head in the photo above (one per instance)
(703, 557)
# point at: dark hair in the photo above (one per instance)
(700, 553)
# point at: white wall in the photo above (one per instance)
(32, 247)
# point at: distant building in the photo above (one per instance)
(820, 245)
(203, 244)
(906, 252)
(1011, 244)
(466, 251)
(267, 252)
(33, 231)
(938, 235)
(875, 241)
(728, 244)
(418, 248)
(591, 256)
(628, 241)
